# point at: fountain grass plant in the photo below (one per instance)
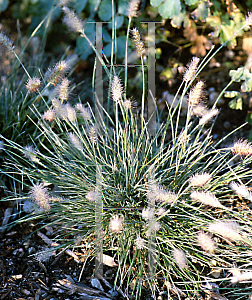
(166, 199)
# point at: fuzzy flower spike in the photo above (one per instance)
(227, 229)
(208, 116)
(133, 7)
(72, 21)
(179, 257)
(40, 196)
(191, 69)
(196, 93)
(199, 180)
(116, 89)
(62, 90)
(206, 198)
(138, 42)
(206, 242)
(49, 115)
(6, 42)
(33, 84)
(53, 75)
(242, 148)
(241, 190)
(115, 224)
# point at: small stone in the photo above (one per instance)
(108, 273)
(31, 250)
(19, 252)
(27, 244)
(26, 292)
(213, 96)
(96, 283)
(226, 124)
(229, 54)
(113, 293)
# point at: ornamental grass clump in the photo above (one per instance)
(160, 202)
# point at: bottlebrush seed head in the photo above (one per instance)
(53, 75)
(49, 115)
(139, 243)
(196, 94)
(72, 21)
(206, 199)
(158, 193)
(133, 7)
(241, 190)
(59, 109)
(85, 112)
(33, 84)
(148, 213)
(116, 89)
(93, 134)
(191, 69)
(206, 242)
(70, 113)
(244, 276)
(6, 42)
(242, 148)
(127, 104)
(199, 180)
(116, 224)
(208, 116)
(62, 90)
(92, 196)
(227, 229)
(40, 196)
(200, 110)
(138, 42)
(179, 257)
(75, 141)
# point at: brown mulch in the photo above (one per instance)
(27, 274)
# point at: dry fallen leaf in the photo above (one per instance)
(200, 45)
(199, 42)
(96, 283)
(247, 44)
(108, 261)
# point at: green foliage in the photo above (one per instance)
(227, 28)
(105, 10)
(79, 5)
(167, 9)
(179, 18)
(213, 14)
(82, 45)
(227, 24)
(236, 103)
(3, 5)
(241, 73)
